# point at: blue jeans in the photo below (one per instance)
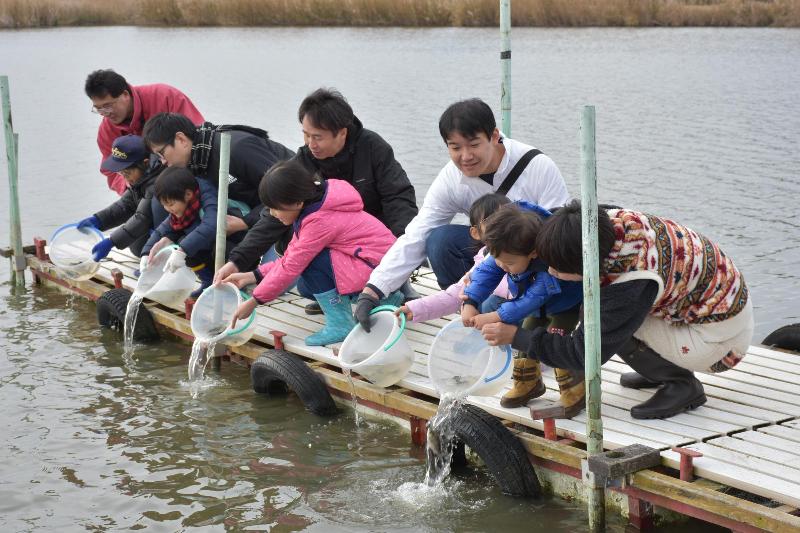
(451, 252)
(318, 276)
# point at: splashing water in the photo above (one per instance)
(201, 348)
(441, 433)
(131, 312)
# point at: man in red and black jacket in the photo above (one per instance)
(125, 108)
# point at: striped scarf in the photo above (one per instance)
(189, 215)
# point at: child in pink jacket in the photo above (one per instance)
(449, 300)
(334, 247)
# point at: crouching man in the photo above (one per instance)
(671, 303)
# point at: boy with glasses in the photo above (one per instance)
(125, 109)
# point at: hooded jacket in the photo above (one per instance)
(367, 163)
(356, 241)
(137, 210)
(148, 100)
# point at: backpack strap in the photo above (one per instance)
(512, 177)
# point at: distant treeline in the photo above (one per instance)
(46, 13)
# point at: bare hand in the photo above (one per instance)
(485, 318)
(244, 310)
(161, 243)
(498, 334)
(241, 280)
(468, 313)
(465, 281)
(406, 311)
(226, 270)
(234, 225)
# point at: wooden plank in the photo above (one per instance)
(745, 460)
(784, 432)
(780, 458)
(773, 353)
(735, 470)
(771, 441)
(698, 496)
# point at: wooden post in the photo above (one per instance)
(222, 198)
(12, 155)
(505, 66)
(591, 310)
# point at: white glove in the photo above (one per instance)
(142, 264)
(177, 259)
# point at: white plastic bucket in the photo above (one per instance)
(213, 312)
(168, 288)
(462, 362)
(71, 251)
(383, 355)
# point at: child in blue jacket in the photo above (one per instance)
(538, 300)
(192, 224)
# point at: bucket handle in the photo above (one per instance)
(402, 323)
(505, 367)
(236, 331)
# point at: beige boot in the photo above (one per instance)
(528, 383)
(572, 401)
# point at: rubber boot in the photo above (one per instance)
(679, 391)
(338, 319)
(313, 309)
(409, 292)
(572, 401)
(527, 383)
(634, 380)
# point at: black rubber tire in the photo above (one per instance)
(277, 371)
(786, 338)
(111, 308)
(504, 456)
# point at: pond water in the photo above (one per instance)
(699, 125)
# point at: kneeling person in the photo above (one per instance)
(192, 224)
(137, 212)
(537, 300)
(671, 303)
(335, 245)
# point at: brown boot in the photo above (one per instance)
(528, 383)
(572, 401)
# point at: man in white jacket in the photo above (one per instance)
(482, 161)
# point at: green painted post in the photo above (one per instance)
(505, 65)
(12, 154)
(591, 313)
(222, 198)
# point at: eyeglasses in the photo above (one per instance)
(106, 108)
(160, 151)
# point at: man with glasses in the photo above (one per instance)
(125, 109)
(180, 143)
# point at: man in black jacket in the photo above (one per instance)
(337, 146)
(137, 210)
(179, 143)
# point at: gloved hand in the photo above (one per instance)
(101, 249)
(364, 304)
(90, 222)
(177, 259)
(142, 264)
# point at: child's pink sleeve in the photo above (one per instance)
(436, 305)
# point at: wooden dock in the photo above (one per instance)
(747, 436)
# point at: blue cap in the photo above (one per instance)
(125, 152)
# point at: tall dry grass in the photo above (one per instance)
(44, 13)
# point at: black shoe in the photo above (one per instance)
(634, 380)
(313, 309)
(679, 391)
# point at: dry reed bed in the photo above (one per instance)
(47, 13)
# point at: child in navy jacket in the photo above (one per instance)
(538, 299)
